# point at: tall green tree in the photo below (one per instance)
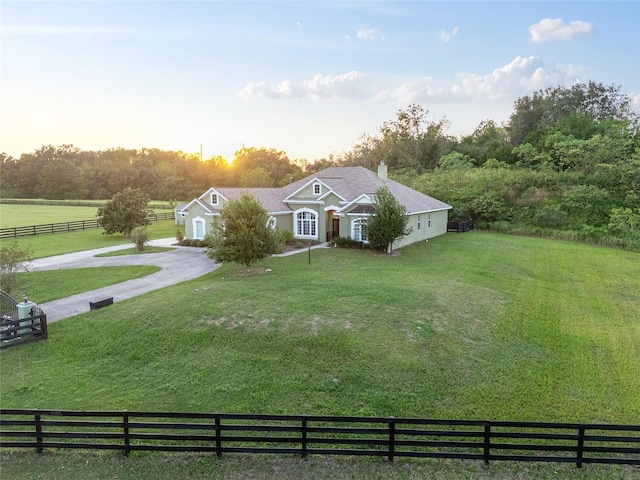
(243, 233)
(13, 260)
(125, 211)
(389, 222)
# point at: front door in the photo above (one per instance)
(336, 227)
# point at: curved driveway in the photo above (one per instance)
(179, 265)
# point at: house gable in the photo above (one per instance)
(313, 191)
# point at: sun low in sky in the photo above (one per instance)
(305, 78)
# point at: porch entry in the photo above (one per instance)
(333, 226)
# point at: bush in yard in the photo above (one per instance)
(13, 260)
(550, 217)
(347, 242)
(125, 211)
(243, 233)
(179, 236)
(185, 242)
(389, 223)
(139, 237)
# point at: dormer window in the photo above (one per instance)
(214, 199)
(317, 189)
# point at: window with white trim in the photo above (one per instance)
(306, 224)
(419, 222)
(317, 189)
(271, 223)
(214, 199)
(428, 220)
(358, 230)
(198, 228)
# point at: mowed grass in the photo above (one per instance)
(46, 285)
(59, 243)
(73, 465)
(475, 325)
(24, 215)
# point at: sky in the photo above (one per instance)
(306, 78)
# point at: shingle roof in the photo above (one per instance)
(349, 182)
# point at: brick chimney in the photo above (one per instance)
(382, 170)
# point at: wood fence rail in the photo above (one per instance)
(63, 227)
(18, 331)
(304, 435)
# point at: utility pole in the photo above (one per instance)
(200, 152)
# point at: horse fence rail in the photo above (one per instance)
(304, 435)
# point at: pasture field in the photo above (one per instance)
(470, 326)
(59, 243)
(25, 215)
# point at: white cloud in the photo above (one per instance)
(348, 85)
(445, 37)
(522, 76)
(365, 33)
(549, 29)
(635, 99)
(299, 26)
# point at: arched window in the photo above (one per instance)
(358, 232)
(306, 224)
(198, 228)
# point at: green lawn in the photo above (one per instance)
(135, 251)
(475, 326)
(59, 243)
(72, 465)
(46, 285)
(25, 215)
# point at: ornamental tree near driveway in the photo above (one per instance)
(389, 223)
(243, 234)
(127, 210)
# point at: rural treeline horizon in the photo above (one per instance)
(567, 159)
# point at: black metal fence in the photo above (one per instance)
(63, 227)
(327, 435)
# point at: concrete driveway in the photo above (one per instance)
(184, 263)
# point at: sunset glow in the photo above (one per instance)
(306, 78)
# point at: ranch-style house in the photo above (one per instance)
(334, 202)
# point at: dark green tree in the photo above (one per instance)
(243, 233)
(389, 222)
(13, 260)
(125, 211)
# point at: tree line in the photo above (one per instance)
(568, 159)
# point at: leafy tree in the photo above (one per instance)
(456, 161)
(275, 163)
(13, 260)
(575, 110)
(125, 211)
(243, 233)
(389, 222)
(140, 238)
(256, 177)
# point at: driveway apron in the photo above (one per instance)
(179, 265)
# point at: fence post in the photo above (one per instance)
(392, 438)
(218, 436)
(487, 442)
(580, 445)
(127, 439)
(304, 436)
(38, 419)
